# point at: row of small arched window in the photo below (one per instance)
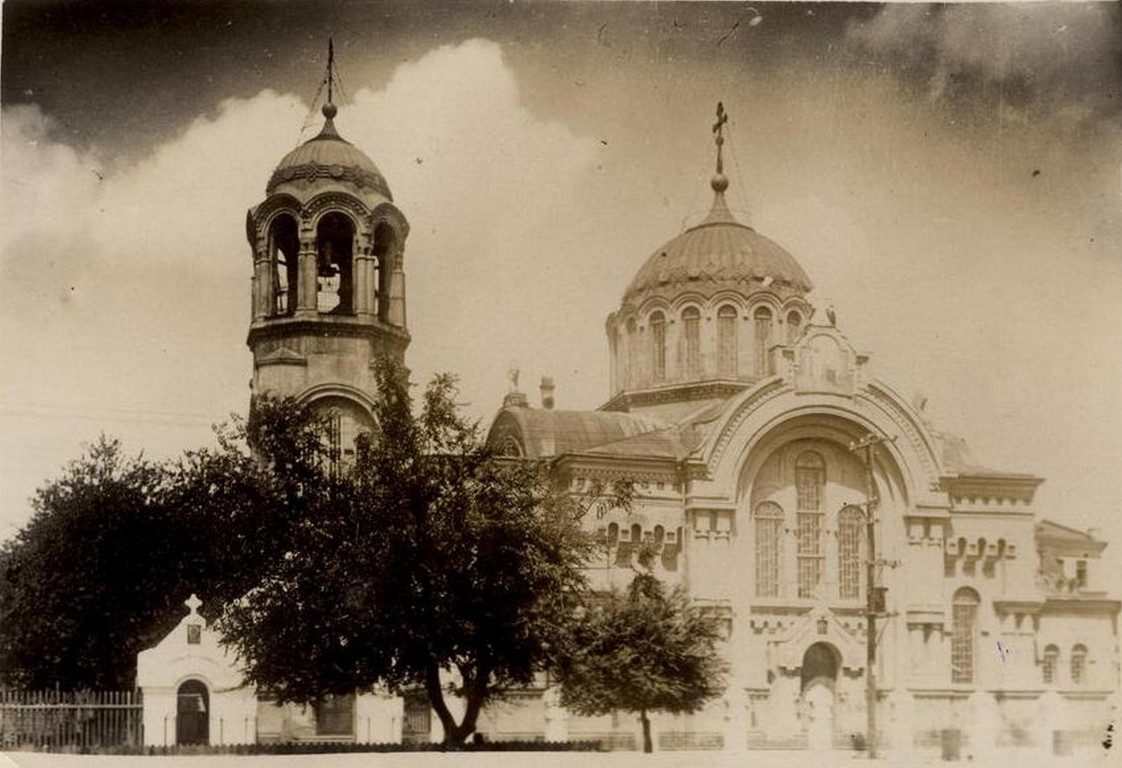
(1051, 663)
(727, 340)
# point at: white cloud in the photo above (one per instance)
(125, 292)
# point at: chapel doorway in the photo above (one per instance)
(192, 713)
(819, 683)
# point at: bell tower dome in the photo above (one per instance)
(328, 295)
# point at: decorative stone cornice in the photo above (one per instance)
(351, 326)
(635, 468)
(313, 172)
(989, 487)
(675, 393)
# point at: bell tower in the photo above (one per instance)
(328, 295)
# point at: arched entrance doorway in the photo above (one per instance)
(819, 681)
(192, 713)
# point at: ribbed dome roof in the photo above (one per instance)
(329, 156)
(719, 253)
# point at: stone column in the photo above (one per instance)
(363, 278)
(396, 315)
(306, 286)
(262, 285)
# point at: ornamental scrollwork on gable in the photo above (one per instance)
(389, 213)
(336, 201)
(745, 409)
(906, 425)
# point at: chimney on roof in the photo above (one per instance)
(547, 388)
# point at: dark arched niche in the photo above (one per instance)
(335, 264)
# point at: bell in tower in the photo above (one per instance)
(328, 294)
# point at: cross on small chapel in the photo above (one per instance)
(193, 603)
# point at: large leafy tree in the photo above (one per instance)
(643, 651)
(116, 543)
(435, 564)
(89, 580)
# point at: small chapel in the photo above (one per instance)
(857, 556)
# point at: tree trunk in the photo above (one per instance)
(455, 734)
(434, 691)
(648, 746)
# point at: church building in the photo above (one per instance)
(793, 494)
(800, 498)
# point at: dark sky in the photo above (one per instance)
(122, 75)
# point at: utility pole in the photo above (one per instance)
(873, 600)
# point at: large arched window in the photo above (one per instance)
(769, 554)
(726, 341)
(849, 553)
(810, 480)
(1078, 664)
(794, 325)
(284, 266)
(658, 346)
(762, 317)
(691, 327)
(1051, 661)
(335, 264)
(964, 627)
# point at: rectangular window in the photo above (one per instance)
(962, 643)
(1078, 664)
(335, 716)
(1080, 574)
(726, 342)
(810, 557)
(767, 556)
(763, 338)
(808, 485)
(691, 322)
(849, 559)
(658, 344)
(1050, 658)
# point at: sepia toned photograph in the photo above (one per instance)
(559, 383)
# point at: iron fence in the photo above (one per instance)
(70, 719)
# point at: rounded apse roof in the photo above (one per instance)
(329, 157)
(718, 254)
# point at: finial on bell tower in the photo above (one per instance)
(329, 109)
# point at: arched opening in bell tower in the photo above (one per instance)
(385, 251)
(335, 235)
(284, 252)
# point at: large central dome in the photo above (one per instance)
(718, 254)
(707, 315)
